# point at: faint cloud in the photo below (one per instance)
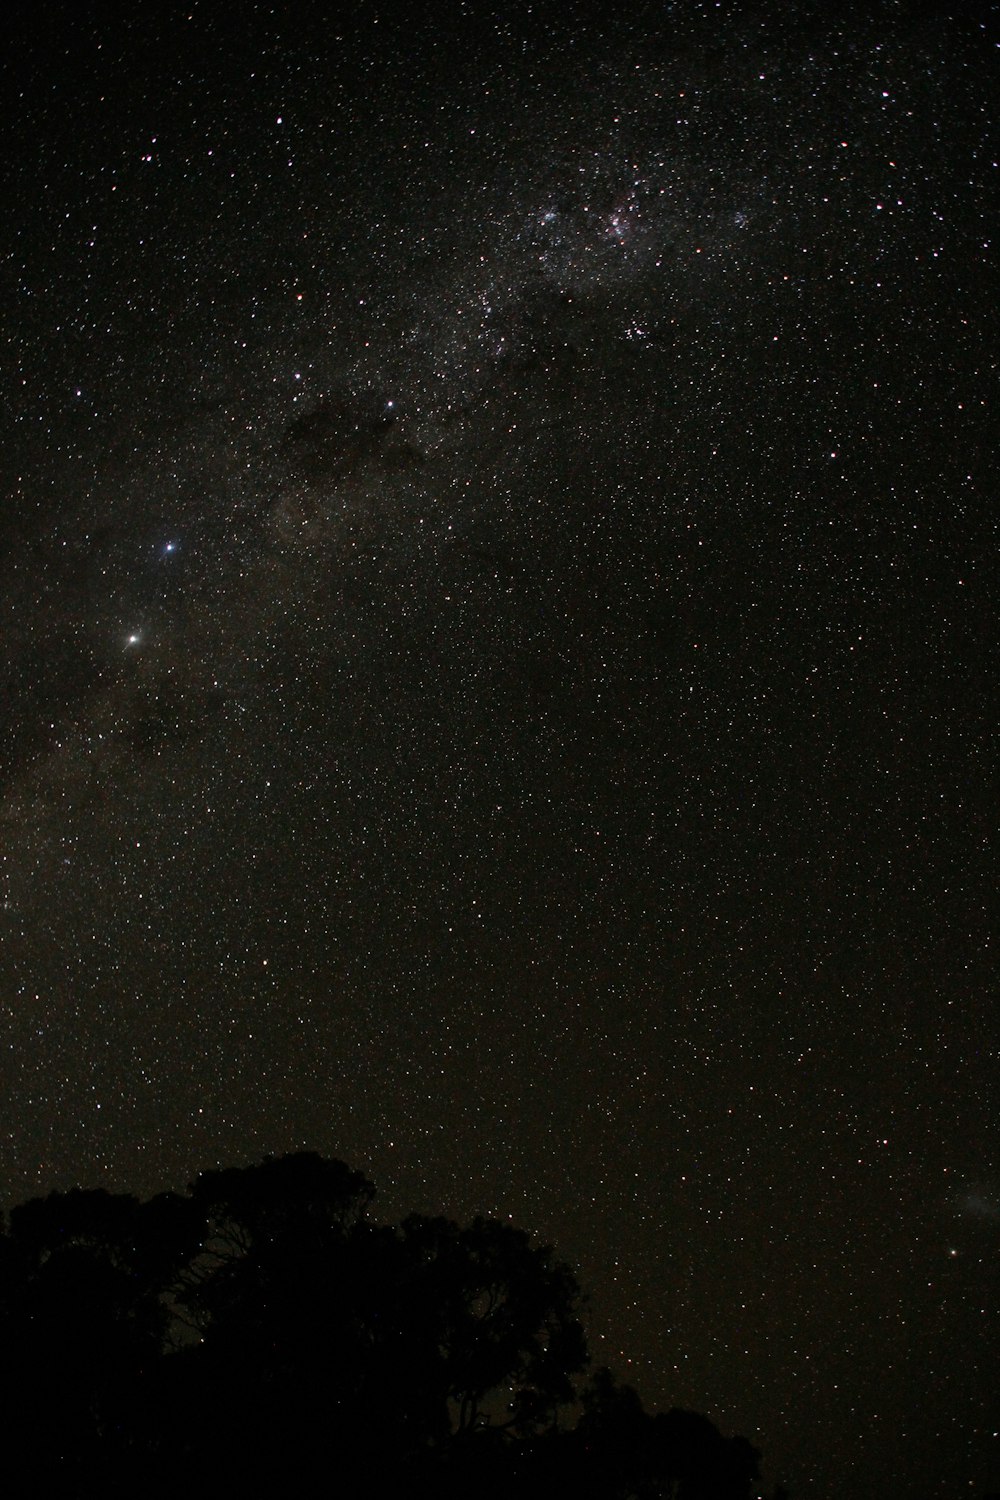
(979, 1203)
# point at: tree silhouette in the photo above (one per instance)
(677, 1455)
(319, 1327)
(84, 1322)
(507, 1330)
(261, 1333)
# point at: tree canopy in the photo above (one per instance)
(262, 1333)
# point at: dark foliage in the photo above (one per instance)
(261, 1335)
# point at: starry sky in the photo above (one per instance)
(498, 659)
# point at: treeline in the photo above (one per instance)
(262, 1335)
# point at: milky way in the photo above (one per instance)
(499, 662)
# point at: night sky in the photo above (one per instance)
(499, 671)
